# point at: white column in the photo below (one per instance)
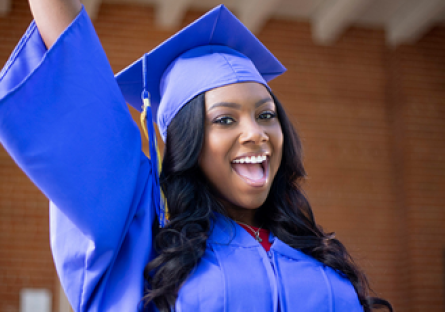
(333, 17)
(170, 13)
(92, 7)
(255, 13)
(413, 20)
(5, 7)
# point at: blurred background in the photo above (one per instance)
(365, 89)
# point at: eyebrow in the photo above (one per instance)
(238, 106)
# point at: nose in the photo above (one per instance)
(252, 132)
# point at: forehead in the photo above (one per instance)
(245, 92)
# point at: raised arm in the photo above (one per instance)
(64, 121)
(53, 16)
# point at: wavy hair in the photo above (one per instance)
(286, 212)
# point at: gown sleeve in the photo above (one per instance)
(65, 123)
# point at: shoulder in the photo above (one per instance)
(309, 278)
(204, 289)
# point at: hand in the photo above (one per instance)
(53, 16)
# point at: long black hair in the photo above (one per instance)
(286, 212)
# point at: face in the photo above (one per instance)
(242, 147)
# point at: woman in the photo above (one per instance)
(240, 234)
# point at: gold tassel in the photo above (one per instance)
(146, 106)
(144, 116)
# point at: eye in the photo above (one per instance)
(267, 115)
(224, 120)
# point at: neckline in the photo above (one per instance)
(255, 228)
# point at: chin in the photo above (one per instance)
(249, 203)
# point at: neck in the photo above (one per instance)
(250, 226)
(239, 214)
(246, 216)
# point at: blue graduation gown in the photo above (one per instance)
(66, 124)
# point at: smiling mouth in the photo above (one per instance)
(253, 170)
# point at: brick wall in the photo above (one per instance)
(372, 123)
(418, 121)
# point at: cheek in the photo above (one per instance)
(213, 154)
(211, 148)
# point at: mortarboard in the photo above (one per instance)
(215, 50)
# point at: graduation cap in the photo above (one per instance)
(215, 50)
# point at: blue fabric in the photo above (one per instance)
(66, 124)
(198, 70)
(237, 274)
(213, 51)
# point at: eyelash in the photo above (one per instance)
(267, 115)
(220, 120)
(270, 114)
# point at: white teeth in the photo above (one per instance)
(250, 160)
